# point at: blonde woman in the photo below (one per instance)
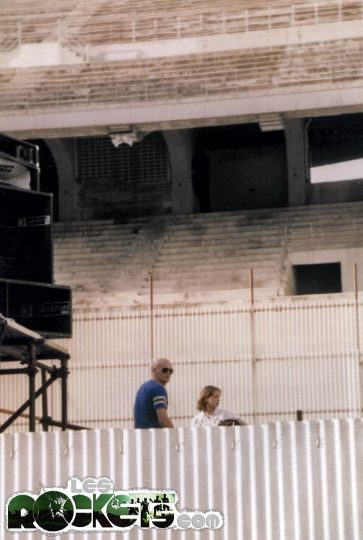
(210, 414)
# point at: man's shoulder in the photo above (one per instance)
(153, 386)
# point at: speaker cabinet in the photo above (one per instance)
(25, 235)
(44, 308)
(19, 163)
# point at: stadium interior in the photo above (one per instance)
(201, 164)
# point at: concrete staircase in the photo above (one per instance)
(214, 252)
(196, 258)
(188, 77)
(97, 259)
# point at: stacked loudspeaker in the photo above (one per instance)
(27, 290)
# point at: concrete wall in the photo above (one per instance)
(247, 178)
(332, 192)
(270, 360)
(349, 258)
(119, 185)
(240, 178)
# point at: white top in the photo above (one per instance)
(202, 419)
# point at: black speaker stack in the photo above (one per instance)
(27, 290)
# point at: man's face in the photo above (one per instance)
(162, 372)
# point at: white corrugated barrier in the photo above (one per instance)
(278, 481)
(270, 360)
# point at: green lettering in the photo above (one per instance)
(20, 512)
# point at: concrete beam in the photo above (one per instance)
(174, 115)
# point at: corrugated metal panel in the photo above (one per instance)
(282, 481)
(270, 360)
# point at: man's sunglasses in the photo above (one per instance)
(167, 370)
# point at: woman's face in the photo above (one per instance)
(214, 399)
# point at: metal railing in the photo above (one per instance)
(270, 360)
(211, 21)
(79, 30)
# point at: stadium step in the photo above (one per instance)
(195, 256)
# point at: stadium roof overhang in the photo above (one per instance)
(267, 110)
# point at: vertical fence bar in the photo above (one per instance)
(178, 26)
(151, 317)
(292, 8)
(223, 22)
(270, 359)
(316, 14)
(156, 28)
(19, 32)
(355, 277)
(59, 29)
(357, 325)
(253, 349)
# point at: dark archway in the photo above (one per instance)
(121, 181)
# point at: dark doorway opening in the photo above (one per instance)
(317, 278)
(239, 167)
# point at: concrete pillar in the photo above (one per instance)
(180, 145)
(68, 188)
(298, 170)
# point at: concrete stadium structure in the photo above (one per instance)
(180, 142)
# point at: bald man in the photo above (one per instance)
(151, 402)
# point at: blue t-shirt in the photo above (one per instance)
(150, 396)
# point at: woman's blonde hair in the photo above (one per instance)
(205, 393)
